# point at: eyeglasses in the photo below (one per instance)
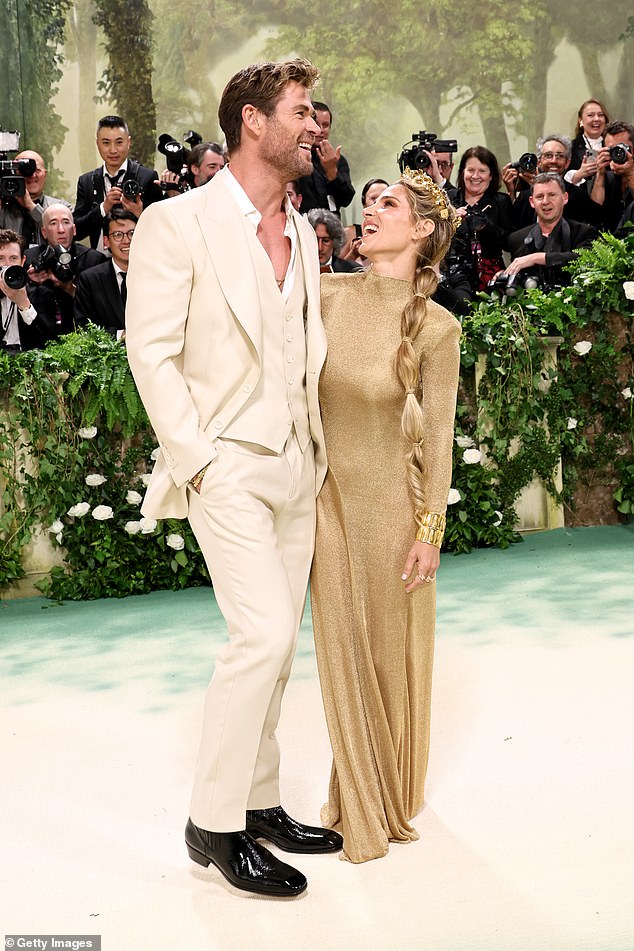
(120, 235)
(444, 164)
(549, 156)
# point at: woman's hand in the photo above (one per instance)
(423, 561)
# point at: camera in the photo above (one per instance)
(413, 155)
(509, 284)
(619, 153)
(14, 276)
(526, 163)
(130, 189)
(176, 155)
(58, 261)
(13, 171)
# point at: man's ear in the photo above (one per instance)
(252, 118)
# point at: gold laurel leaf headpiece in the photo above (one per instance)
(422, 180)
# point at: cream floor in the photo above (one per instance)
(527, 838)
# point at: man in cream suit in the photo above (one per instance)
(225, 342)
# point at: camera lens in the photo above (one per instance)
(131, 189)
(14, 276)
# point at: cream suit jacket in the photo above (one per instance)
(194, 331)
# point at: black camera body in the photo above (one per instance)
(413, 155)
(12, 175)
(130, 189)
(58, 261)
(14, 276)
(619, 153)
(176, 155)
(509, 284)
(527, 162)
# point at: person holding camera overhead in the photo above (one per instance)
(486, 214)
(119, 181)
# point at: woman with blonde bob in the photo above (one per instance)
(388, 398)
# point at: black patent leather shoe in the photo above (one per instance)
(243, 862)
(278, 827)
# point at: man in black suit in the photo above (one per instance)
(101, 291)
(48, 271)
(24, 324)
(119, 181)
(331, 238)
(329, 186)
(613, 185)
(541, 250)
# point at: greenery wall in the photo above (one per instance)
(76, 449)
(487, 73)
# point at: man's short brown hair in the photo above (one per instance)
(12, 237)
(260, 86)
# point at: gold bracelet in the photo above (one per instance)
(198, 478)
(431, 528)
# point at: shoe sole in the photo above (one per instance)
(271, 891)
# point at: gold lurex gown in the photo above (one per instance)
(374, 642)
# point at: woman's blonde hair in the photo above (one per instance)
(427, 201)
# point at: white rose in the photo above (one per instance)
(465, 442)
(88, 432)
(572, 422)
(498, 520)
(628, 289)
(57, 526)
(472, 456)
(583, 347)
(155, 454)
(102, 512)
(58, 538)
(134, 498)
(94, 478)
(132, 528)
(453, 497)
(627, 393)
(145, 478)
(148, 525)
(79, 510)
(177, 542)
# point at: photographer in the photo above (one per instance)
(57, 265)
(119, 181)
(541, 250)
(329, 186)
(25, 325)
(101, 291)
(203, 162)
(23, 213)
(613, 184)
(486, 214)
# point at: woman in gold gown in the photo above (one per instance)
(388, 398)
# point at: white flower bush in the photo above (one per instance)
(583, 347)
(628, 289)
(56, 527)
(472, 456)
(148, 525)
(465, 442)
(79, 510)
(133, 498)
(572, 422)
(132, 528)
(95, 478)
(87, 432)
(177, 542)
(102, 512)
(453, 497)
(145, 478)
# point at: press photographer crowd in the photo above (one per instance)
(61, 267)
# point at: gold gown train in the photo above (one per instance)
(374, 642)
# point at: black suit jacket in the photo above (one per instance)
(579, 207)
(316, 188)
(560, 247)
(35, 335)
(91, 193)
(340, 265)
(98, 298)
(83, 258)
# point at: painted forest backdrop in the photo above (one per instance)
(486, 73)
